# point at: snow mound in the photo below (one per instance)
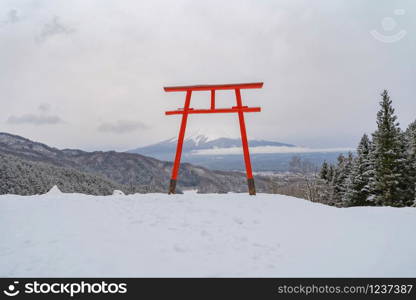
(54, 191)
(118, 193)
(201, 235)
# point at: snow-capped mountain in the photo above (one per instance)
(224, 152)
(200, 142)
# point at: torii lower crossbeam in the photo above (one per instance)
(239, 109)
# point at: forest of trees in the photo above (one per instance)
(382, 172)
(21, 177)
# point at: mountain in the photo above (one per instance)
(199, 142)
(128, 171)
(225, 153)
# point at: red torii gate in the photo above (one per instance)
(239, 108)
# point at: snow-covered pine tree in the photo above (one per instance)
(358, 182)
(411, 157)
(341, 173)
(325, 181)
(407, 183)
(389, 157)
(337, 176)
(331, 171)
(348, 164)
(323, 173)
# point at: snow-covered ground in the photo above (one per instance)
(201, 235)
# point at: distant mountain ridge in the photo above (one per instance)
(166, 149)
(225, 153)
(133, 172)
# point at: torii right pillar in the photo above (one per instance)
(244, 141)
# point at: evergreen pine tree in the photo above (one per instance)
(330, 174)
(341, 174)
(337, 176)
(323, 173)
(407, 183)
(411, 158)
(358, 183)
(346, 172)
(389, 157)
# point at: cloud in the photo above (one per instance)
(42, 118)
(12, 16)
(121, 126)
(34, 119)
(53, 28)
(319, 63)
(44, 107)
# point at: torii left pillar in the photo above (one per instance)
(239, 109)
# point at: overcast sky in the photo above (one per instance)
(89, 73)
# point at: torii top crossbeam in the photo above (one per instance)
(239, 109)
(209, 87)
